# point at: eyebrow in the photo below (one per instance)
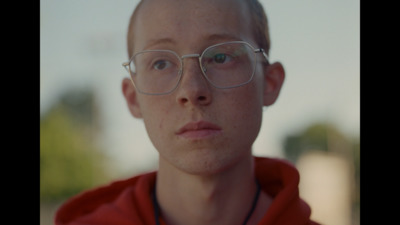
(153, 42)
(223, 37)
(213, 38)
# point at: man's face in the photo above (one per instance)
(198, 128)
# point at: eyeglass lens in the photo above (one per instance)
(225, 66)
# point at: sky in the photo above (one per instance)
(83, 44)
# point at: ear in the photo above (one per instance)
(130, 94)
(274, 75)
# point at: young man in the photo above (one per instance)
(200, 77)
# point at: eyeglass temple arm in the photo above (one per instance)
(126, 66)
(263, 52)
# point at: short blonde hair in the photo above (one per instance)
(258, 19)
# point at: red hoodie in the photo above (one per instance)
(128, 202)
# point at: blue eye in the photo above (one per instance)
(220, 58)
(161, 64)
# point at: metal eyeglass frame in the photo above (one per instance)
(203, 70)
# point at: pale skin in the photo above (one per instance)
(204, 177)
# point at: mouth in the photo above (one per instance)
(198, 130)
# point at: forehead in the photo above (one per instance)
(190, 22)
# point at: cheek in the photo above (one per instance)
(245, 109)
(248, 100)
(155, 117)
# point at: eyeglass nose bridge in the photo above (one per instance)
(190, 56)
(193, 56)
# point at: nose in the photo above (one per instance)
(193, 89)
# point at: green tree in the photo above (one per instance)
(70, 160)
(320, 137)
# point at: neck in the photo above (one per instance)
(221, 198)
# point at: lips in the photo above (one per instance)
(200, 129)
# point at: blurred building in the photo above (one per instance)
(326, 185)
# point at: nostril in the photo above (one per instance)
(184, 100)
(200, 99)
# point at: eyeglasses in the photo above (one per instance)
(225, 65)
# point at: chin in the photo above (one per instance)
(209, 164)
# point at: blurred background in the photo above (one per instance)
(88, 136)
